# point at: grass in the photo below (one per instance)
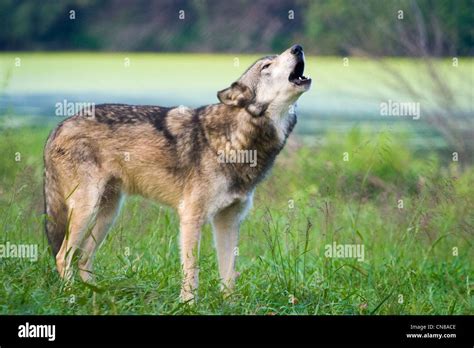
(418, 259)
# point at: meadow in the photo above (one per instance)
(357, 181)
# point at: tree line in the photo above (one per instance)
(325, 27)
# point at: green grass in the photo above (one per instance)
(311, 199)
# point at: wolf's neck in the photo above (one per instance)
(283, 118)
(264, 137)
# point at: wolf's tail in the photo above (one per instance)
(56, 211)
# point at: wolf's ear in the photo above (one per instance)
(242, 96)
(236, 95)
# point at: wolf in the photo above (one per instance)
(170, 155)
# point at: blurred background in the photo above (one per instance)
(403, 186)
(336, 27)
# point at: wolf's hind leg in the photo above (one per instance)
(108, 209)
(82, 209)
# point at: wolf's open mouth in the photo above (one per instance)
(297, 76)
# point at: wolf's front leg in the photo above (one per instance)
(226, 225)
(190, 235)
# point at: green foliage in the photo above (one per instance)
(362, 163)
(329, 27)
(345, 27)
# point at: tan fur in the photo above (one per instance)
(168, 155)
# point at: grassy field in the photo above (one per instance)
(417, 259)
(411, 209)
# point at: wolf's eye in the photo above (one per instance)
(265, 66)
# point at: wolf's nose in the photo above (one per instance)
(297, 50)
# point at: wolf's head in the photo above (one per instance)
(273, 82)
